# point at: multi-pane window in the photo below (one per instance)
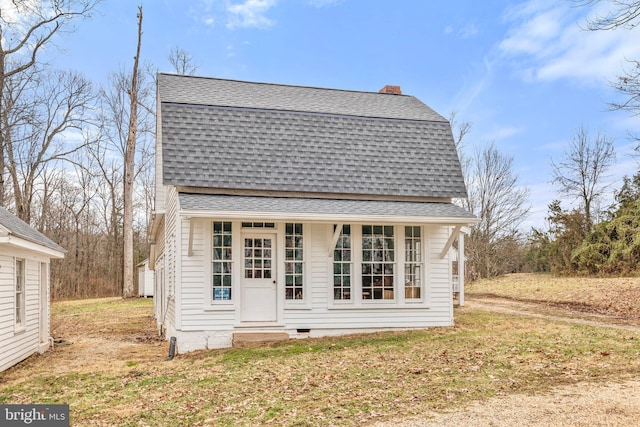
(258, 225)
(377, 262)
(342, 265)
(293, 262)
(20, 287)
(257, 257)
(413, 262)
(222, 261)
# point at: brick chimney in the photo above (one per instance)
(394, 90)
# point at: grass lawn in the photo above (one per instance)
(114, 372)
(609, 296)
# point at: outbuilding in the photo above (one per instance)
(25, 256)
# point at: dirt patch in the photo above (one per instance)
(583, 404)
(565, 313)
(612, 404)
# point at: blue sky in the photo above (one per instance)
(524, 73)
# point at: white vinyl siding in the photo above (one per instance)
(205, 322)
(19, 342)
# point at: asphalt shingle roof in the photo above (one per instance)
(19, 228)
(252, 136)
(330, 207)
(267, 96)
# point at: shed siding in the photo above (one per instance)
(18, 345)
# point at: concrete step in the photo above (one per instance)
(241, 339)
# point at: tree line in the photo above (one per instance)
(586, 239)
(76, 159)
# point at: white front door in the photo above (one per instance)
(259, 293)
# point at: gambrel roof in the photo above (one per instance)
(232, 135)
(11, 225)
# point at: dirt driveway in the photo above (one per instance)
(583, 405)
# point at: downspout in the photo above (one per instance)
(172, 349)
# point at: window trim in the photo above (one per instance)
(352, 276)
(20, 302)
(214, 303)
(395, 275)
(295, 261)
(399, 300)
(422, 263)
(305, 302)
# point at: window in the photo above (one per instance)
(293, 262)
(258, 225)
(413, 263)
(377, 262)
(222, 261)
(20, 290)
(342, 265)
(257, 258)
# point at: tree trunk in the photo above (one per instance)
(128, 290)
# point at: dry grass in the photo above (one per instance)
(608, 296)
(114, 372)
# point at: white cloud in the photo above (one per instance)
(546, 42)
(468, 31)
(249, 14)
(502, 133)
(323, 3)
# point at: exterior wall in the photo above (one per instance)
(18, 344)
(167, 268)
(208, 324)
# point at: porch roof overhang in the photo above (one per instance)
(18, 242)
(321, 210)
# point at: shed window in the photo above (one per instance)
(222, 261)
(20, 291)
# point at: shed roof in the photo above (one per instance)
(16, 227)
(228, 134)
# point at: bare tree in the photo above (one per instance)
(621, 14)
(182, 61)
(582, 172)
(501, 204)
(45, 107)
(129, 171)
(460, 131)
(27, 27)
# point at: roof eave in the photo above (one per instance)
(333, 218)
(19, 242)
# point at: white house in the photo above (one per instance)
(24, 289)
(300, 212)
